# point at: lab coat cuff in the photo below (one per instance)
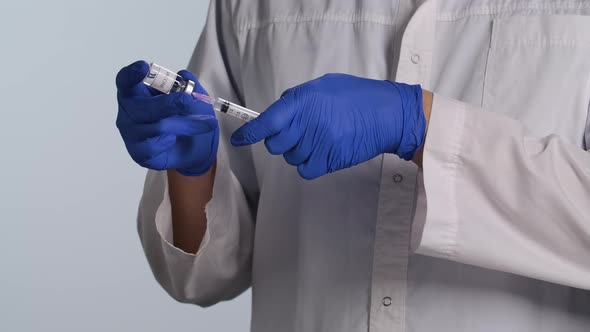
(214, 211)
(434, 232)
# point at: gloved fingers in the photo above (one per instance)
(144, 150)
(301, 152)
(298, 155)
(178, 125)
(188, 125)
(312, 169)
(272, 121)
(283, 141)
(129, 80)
(153, 109)
(187, 75)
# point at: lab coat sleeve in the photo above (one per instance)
(498, 197)
(221, 268)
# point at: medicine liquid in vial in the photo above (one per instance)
(167, 81)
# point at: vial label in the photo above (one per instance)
(164, 81)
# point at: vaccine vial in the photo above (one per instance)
(167, 81)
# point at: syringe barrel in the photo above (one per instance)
(224, 106)
(167, 81)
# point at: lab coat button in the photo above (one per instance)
(387, 301)
(415, 58)
(397, 178)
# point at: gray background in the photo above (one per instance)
(70, 256)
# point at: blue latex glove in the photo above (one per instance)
(165, 131)
(338, 121)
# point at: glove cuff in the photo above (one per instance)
(414, 124)
(205, 166)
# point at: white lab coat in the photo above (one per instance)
(492, 235)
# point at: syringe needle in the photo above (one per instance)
(203, 98)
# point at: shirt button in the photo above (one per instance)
(387, 301)
(415, 58)
(397, 178)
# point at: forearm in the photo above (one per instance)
(188, 197)
(172, 226)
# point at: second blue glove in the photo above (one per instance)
(338, 121)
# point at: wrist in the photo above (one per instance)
(427, 97)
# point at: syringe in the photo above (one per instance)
(167, 81)
(224, 106)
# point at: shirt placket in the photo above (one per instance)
(397, 190)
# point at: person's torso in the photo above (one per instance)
(333, 254)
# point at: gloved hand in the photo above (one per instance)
(338, 121)
(165, 131)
